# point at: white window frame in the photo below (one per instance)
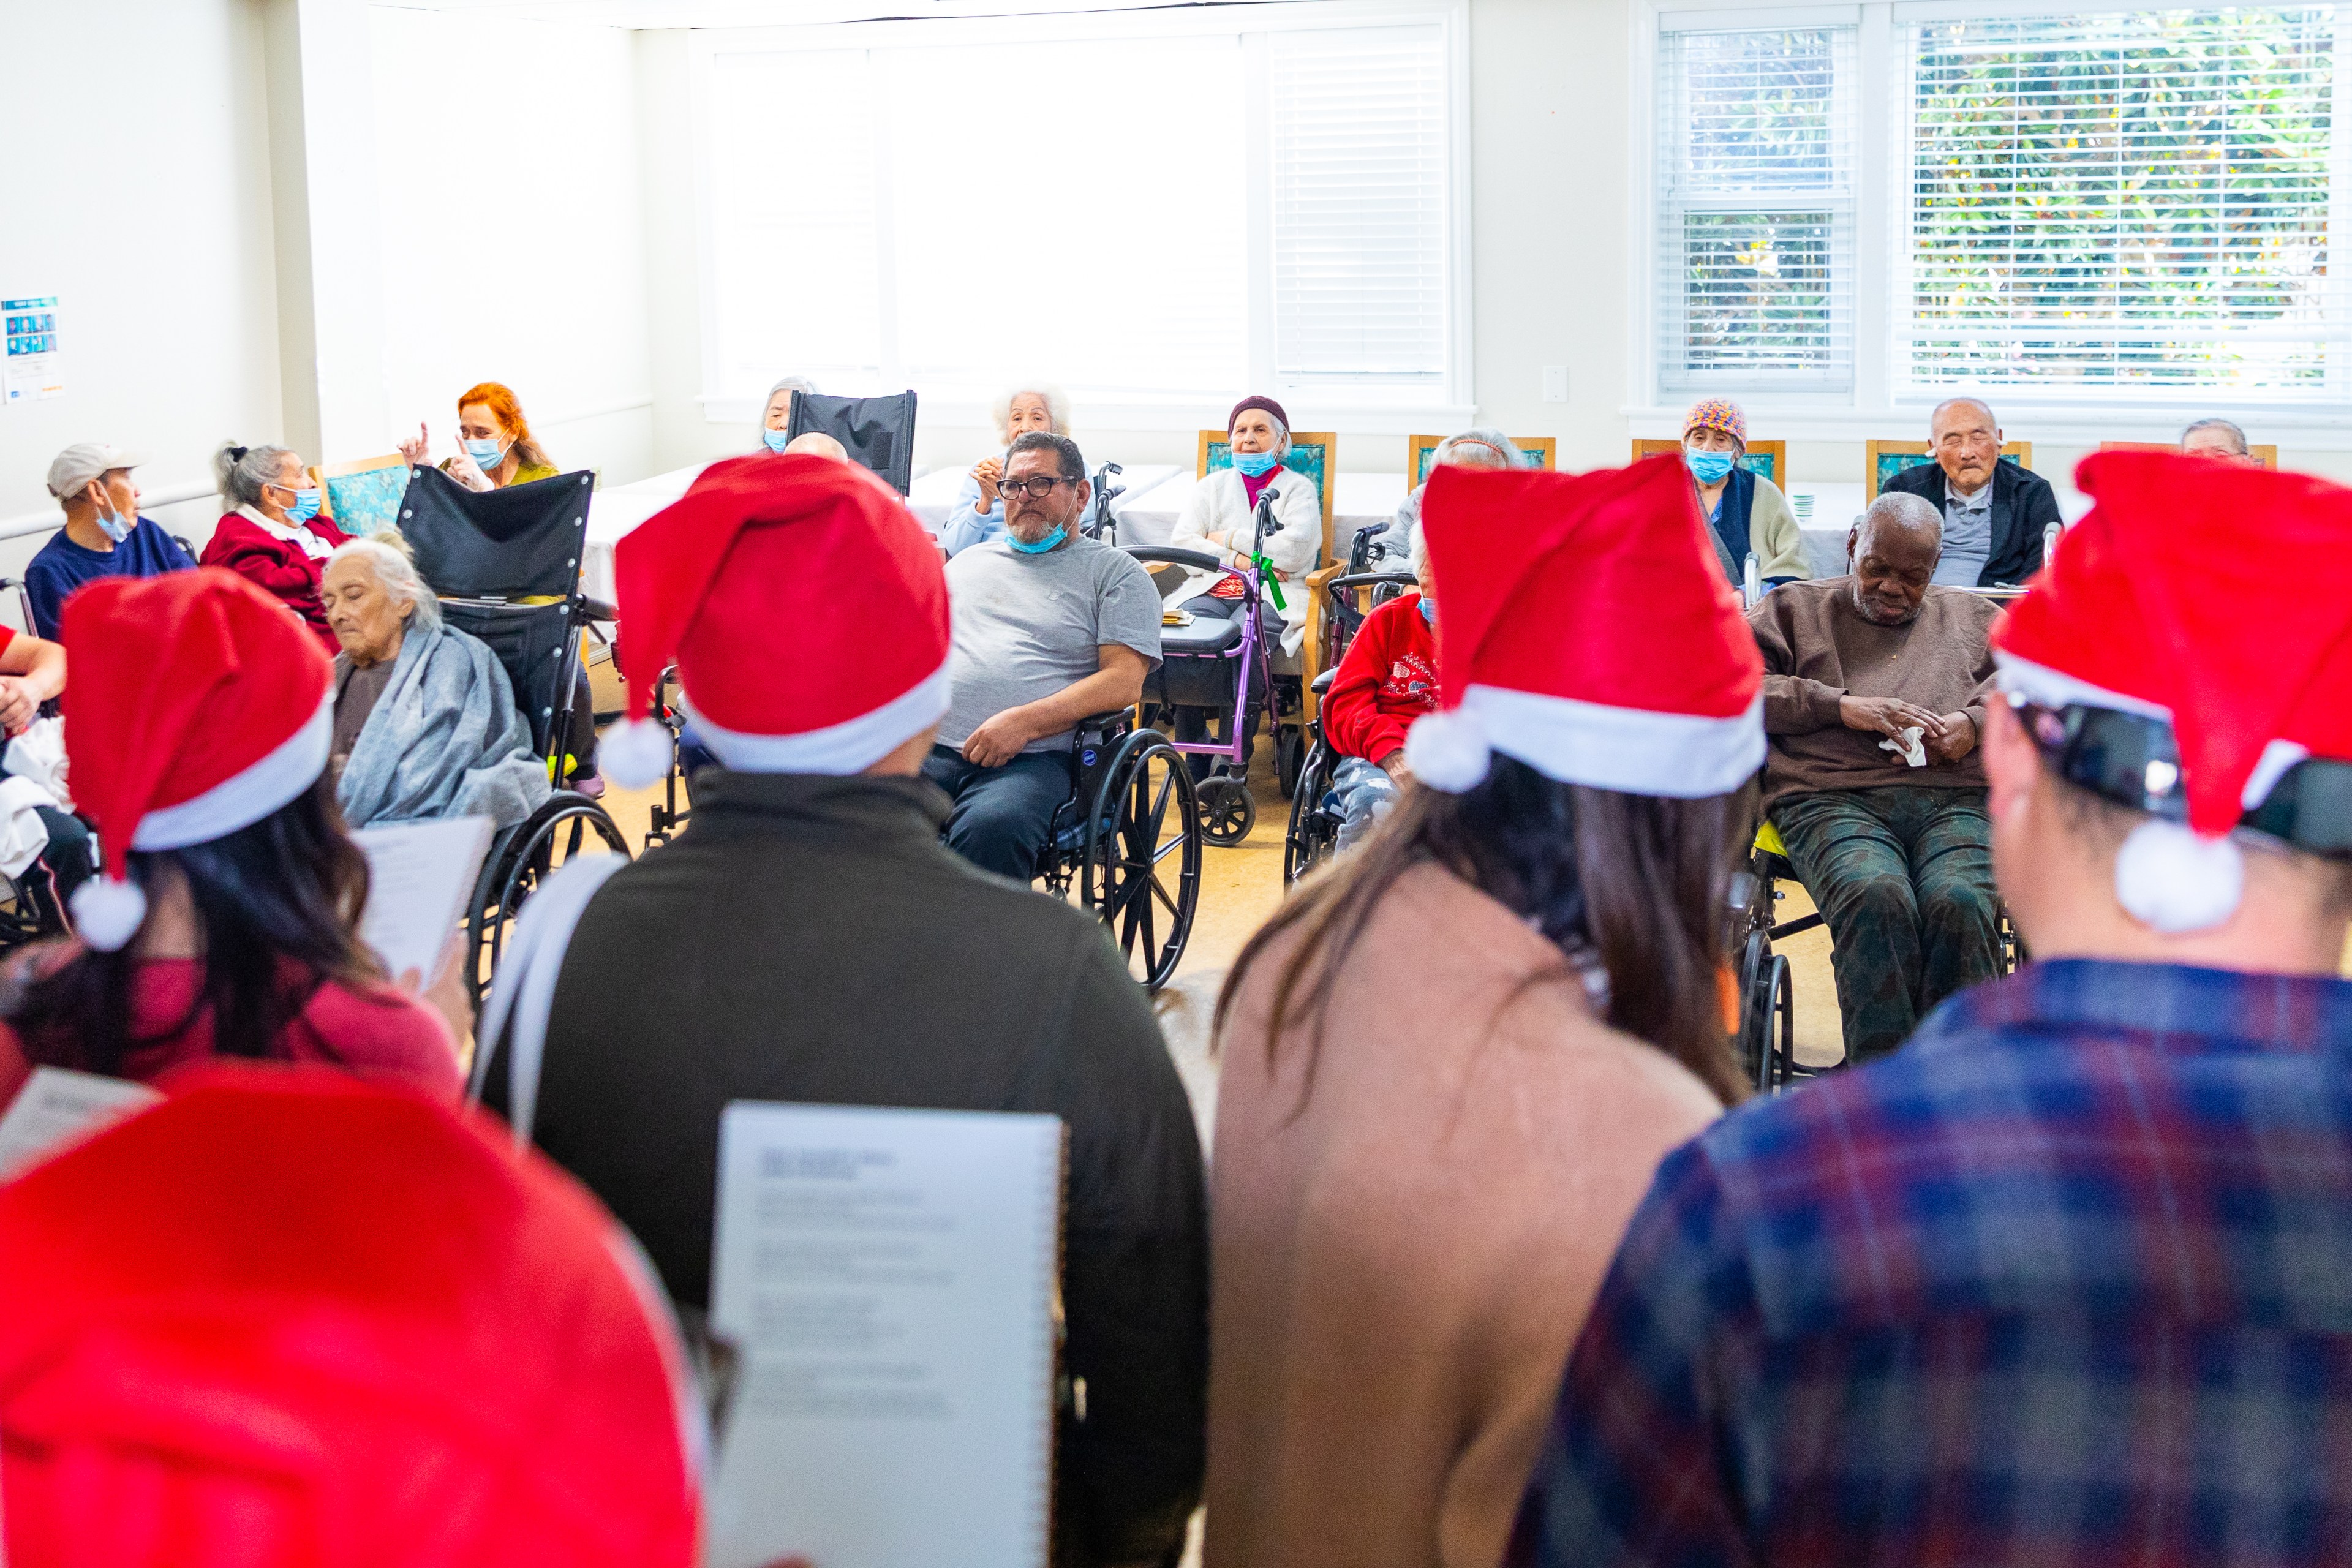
(1370, 409)
(1875, 409)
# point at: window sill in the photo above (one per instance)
(2303, 426)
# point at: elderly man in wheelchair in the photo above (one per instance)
(1050, 627)
(1875, 689)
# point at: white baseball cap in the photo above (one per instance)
(84, 461)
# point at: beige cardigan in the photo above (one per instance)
(1400, 1269)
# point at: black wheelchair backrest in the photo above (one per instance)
(523, 541)
(879, 432)
(533, 643)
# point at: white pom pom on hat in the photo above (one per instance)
(2171, 880)
(635, 753)
(1448, 750)
(108, 912)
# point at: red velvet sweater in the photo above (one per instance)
(285, 569)
(1388, 680)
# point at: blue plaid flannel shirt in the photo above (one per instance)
(2066, 1281)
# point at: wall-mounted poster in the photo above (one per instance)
(32, 367)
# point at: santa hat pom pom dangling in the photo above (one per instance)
(1447, 750)
(2172, 880)
(635, 753)
(108, 912)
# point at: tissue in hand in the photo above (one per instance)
(1909, 748)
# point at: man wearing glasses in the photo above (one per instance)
(1050, 626)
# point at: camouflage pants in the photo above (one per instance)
(1903, 876)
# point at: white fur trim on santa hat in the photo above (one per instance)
(2171, 880)
(634, 752)
(244, 798)
(2047, 687)
(1447, 750)
(849, 747)
(1635, 750)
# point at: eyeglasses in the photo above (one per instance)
(1039, 487)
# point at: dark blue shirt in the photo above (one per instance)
(62, 566)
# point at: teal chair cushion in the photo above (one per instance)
(1533, 454)
(1892, 463)
(369, 501)
(1306, 457)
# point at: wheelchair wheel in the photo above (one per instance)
(563, 828)
(1228, 811)
(1146, 815)
(1768, 1016)
(1290, 748)
(1314, 832)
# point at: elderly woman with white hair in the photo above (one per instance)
(776, 413)
(1476, 448)
(1218, 515)
(978, 514)
(425, 724)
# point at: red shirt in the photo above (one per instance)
(376, 1030)
(285, 569)
(1388, 680)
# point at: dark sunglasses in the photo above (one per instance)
(2132, 760)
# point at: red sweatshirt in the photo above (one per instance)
(1388, 680)
(269, 563)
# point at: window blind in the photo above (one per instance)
(1359, 163)
(1756, 198)
(2120, 200)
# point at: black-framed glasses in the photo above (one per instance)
(2133, 760)
(1039, 486)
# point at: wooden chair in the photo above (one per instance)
(1315, 453)
(1882, 460)
(361, 496)
(1765, 459)
(1419, 450)
(2265, 454)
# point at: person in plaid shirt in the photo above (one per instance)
(2068, 1278)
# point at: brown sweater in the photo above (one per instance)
(1818, 648)
(1402, 1261)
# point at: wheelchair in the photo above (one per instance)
(1315, 819)
(1766, 1040)
(1222, 665)
(506, 567)
(1132, 806)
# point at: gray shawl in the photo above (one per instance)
(444, 739)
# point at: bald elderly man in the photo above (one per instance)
(817, 443)
(1993, 509)
(1858, 671)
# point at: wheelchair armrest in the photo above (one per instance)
(598, 610)
(1321, 684)
(1150, 553)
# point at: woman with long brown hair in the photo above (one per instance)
(1451, 1063)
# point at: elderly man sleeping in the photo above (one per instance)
(425, 724)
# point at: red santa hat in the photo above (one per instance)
(2213, 599)
(1585, 629)
(806, 613)
(196, 705)
(289, 1319)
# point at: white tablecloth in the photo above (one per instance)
(1361, 498)
(933, 496)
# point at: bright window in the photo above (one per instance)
(1184, 210)
(2129, 199)
(1755, 246)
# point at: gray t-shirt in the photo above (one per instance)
(1027, 626)
(1968, 537)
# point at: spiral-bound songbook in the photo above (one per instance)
(886, 1281)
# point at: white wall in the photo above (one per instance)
(145, 207)
(513, 239)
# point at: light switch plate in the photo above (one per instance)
(1555, 383)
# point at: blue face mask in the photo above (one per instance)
(305, 505)
(1708, 468)
(116, 525)
(1256, 463)
(1042, 546)
(777, 440)
(486, 454)
(1428, 612)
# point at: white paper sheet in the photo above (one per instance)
(420, 875)
(887, 1278)
(58, 1107)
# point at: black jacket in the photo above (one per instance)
(2023, 504)
(808, 939)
